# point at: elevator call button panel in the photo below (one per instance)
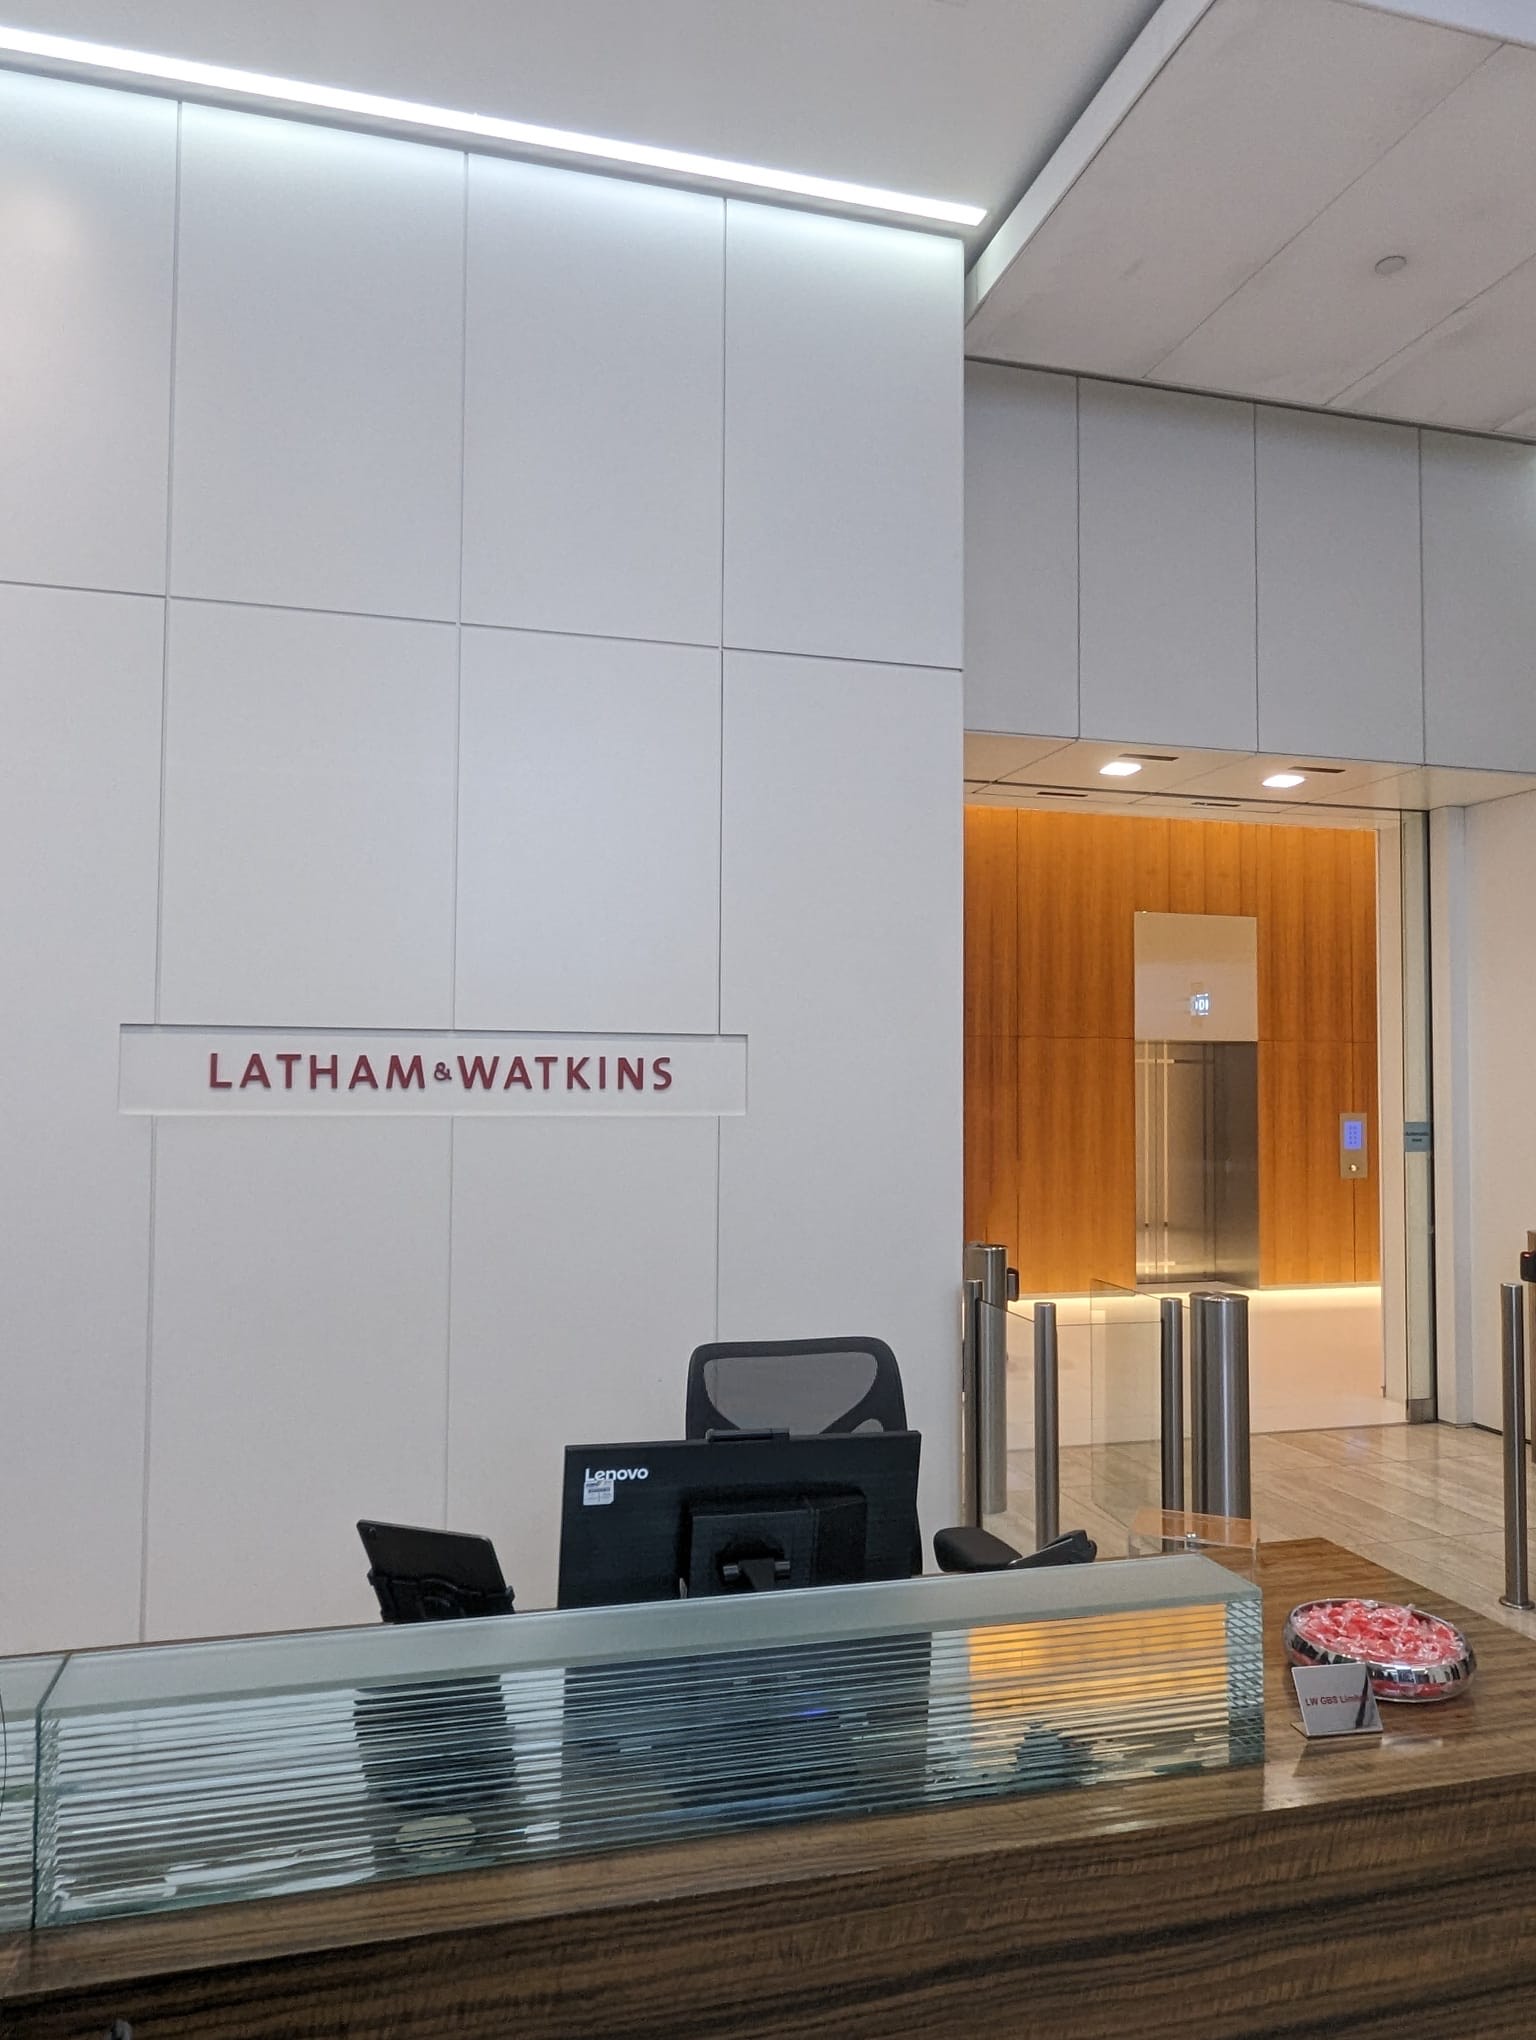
(1353, 1156)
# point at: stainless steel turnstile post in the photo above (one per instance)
(1047, 1427)
(1220, 1458)
(970, 1464)
(984, 1466)
(1517, 1570)
(1171, 1400)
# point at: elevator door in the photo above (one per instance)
(1197, 1137)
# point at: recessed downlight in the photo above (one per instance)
(68, 56)
(1389, 265)
(1120, 768)
(1282, 782)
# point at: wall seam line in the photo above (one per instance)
(1423, 619)
(1077, 522)
(165, 684)
(165, 630)
(458, 775)
(458, 626)
(86, 588)
(846, 659)
(448, 1333)
(1258, 714)
(725, 284)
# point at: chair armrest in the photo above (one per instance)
(968, 1549)
(1072, 1547)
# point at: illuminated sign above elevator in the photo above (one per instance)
(1197, 977)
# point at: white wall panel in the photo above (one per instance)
(319, 347)
(589, 835)
(309, 803)
(594, 364)
(843, 438)
(1497, 999)
(840, 1190)
(1479, 602)
(79, 829)
(299, 1366)
(87, 205)
(583, 1277)
(1020, 551)
(1340, 645)
(1167, 568)
(262, 1306)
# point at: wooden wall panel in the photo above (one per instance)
(1076, 926)
(993, 1150)
(1077, 1164)
(1050, 1017)
(1363, 1015)
(1306, 1208)
(991, 923)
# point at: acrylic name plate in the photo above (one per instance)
(1336, 1702)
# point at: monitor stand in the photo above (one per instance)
(755, 1575)
(750, 1550)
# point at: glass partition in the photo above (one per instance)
(189, 1774)
(1231, 1540)
(1124, 1452)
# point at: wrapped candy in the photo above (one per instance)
(1412, 1655)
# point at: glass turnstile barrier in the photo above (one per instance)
(1121, 1456)
(1143, 1486)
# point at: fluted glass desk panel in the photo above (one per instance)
(24, 1685)
(190, 1774)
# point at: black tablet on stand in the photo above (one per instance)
(433, 1575)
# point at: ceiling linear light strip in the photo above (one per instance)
(104, 61)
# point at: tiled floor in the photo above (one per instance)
(1424, 1499)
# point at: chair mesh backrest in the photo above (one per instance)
(801, 1385)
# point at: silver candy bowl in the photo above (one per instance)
(1439, 1669)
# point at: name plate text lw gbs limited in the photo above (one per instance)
(320, 1071)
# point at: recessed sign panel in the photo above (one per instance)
(309, 1072)
(1197, 977)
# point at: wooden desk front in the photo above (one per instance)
(1373, 1889)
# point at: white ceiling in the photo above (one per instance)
(1215, 220)
(1188, 192)
(1037, 771)
(956, 99)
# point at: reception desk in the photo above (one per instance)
(1373, 1888)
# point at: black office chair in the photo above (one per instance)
(841, 1385)
(808, 1386)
